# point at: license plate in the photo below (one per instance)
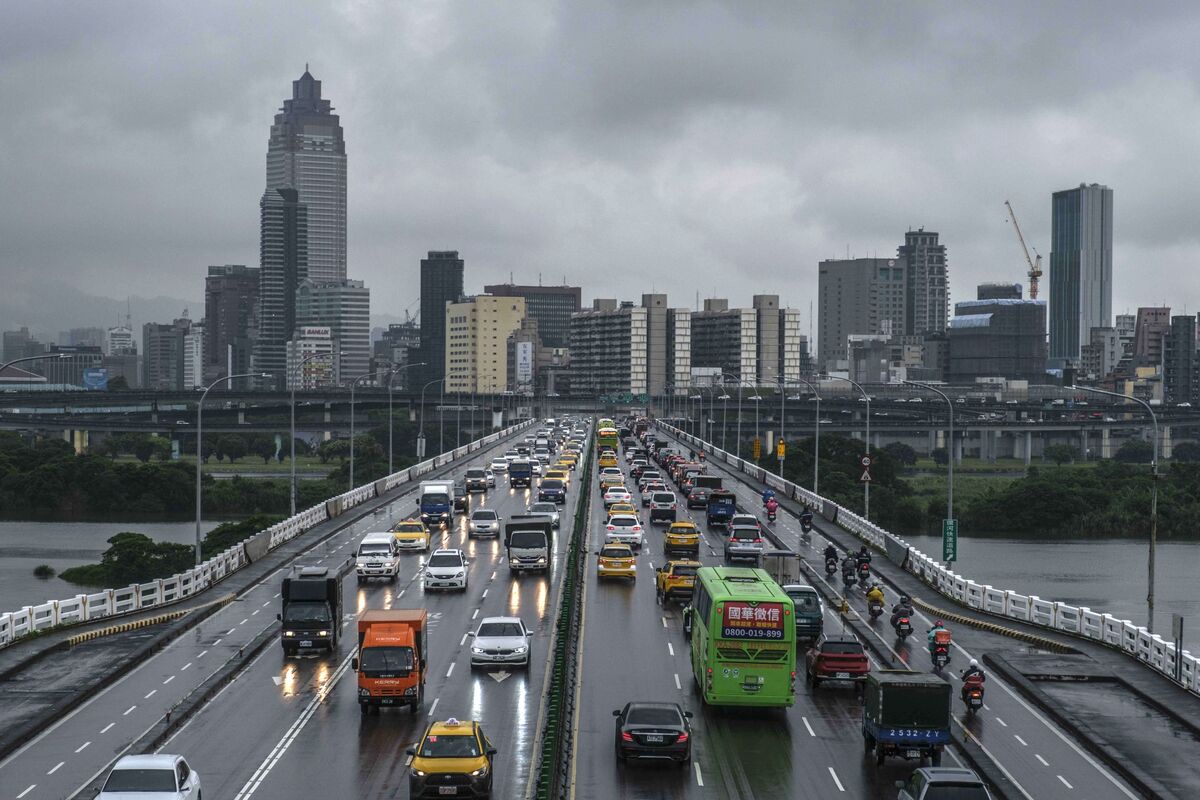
(843, 675)
(387, 701)
(654, 739)
(912, 753)
(307, 643)
(447, 790)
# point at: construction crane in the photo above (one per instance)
(1035, 267)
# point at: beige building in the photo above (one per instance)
(477, 332)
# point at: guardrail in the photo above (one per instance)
(81, 608)
(1121, 634)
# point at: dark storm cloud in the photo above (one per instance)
(621, 145)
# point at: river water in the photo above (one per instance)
(1106, 575)
(25, 545)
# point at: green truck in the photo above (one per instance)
(906, 715)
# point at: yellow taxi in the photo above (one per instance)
(608, 460)
(616, 561)
(453, 758)
(411, 534)
(675, 580)
(623, 508)
(568, 460)
(608, 481)
(558, 474)
(682, 537)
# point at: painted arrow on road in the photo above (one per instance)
(500, 676)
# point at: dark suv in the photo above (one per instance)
(744, 544)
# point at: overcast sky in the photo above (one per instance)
(683, 147)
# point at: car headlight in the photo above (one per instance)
(322, 633)
(479, 773)
(459, 574)
(476, 650)
(364, 692)
(520, 649)
(541, 560)
(418, 773)
(289, 633)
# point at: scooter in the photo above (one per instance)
(972, 695)
(940, 655)
(831, 565)
(874, 608)
(771, 513)
(848, 579)
(903, 628)
(806, 524)
(864, 573)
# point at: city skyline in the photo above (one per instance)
(616, 182)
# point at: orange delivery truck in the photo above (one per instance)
(392, 648)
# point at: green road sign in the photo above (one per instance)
(949, 540)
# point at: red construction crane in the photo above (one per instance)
(1035, 267)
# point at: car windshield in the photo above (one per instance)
(439, 498)
(485, 515)
(499, 629)
(543, 508)
(445, 560)
(374, 550)
(615, 552)
(805, 602)
(527, 539)
(455, 746)
(474, 473)
(955, 791)
(310, 611)
(552, 483)
(842, 648)
(653, 715)
(410, 527)
(386, 659)
(140, 780)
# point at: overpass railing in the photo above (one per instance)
(1121, 634)
(107, 603)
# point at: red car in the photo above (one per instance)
(836, 657)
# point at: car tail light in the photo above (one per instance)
(758, 541)
(626, 736)
(683, 737)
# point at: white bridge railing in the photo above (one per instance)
(1149, 648)
(139, 597)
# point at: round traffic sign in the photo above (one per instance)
(865, 461)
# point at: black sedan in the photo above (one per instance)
(654, 730)
(698, 497)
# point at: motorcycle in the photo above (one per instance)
(972, 696)
(806, 524)
(848, 580)
(874, 608)
(864, 573)
(903, 628)
(771, 513)
(831, 565)
(940, 655)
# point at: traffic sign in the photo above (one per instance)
(866, 476)
(865, 461)
(780, 450)
(949, 540)
(757, 448)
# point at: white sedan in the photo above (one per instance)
(617, 494)
(500, 640)
(151, 777)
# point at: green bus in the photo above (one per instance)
(743, 636)
(607, 435)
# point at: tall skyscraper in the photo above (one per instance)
(307, 152)
(441, 283)
(927, 290)
(163, 354)
(230, 319)
(1080, 268)
(1153, 326)
(283, 264)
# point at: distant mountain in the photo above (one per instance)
(48, 307)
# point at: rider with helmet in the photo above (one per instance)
(875, 594)
(972, 677)
(903, 608)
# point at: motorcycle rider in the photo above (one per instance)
(772, 507)
(848, 568)
(864, 556)
(806, 518)
(972, 676)
(767, 495)
(875, 594)
(831, 552)
(903, 608)
(938, 625)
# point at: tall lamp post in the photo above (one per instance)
(391, 426)
(295, 379)
(421, 418)
(199, 435)
(949, 449)
(867, 397)
(816, 436)
(1153, 499)
(699, 415)
(353, 384)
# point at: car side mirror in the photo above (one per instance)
(617, 713)
(491, 751)
(412, 751)
(354, 664)
(279, 617)
(687, 714)
(470, 634)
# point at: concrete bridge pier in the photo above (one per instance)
(1166, 447)
(957, 444)
(241, 413)
(934, 438)
(1083, 444)
(328, 434)
(1106, 448)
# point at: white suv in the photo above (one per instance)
(378, 556)
(446, 569)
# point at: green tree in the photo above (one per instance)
(231, 446)
(334, 448)
(132, 558)
(262, 446)
(1186, 452)
(903, 453)
(940, 456)
(1060, 453)
(147, 447)
(1135, 451)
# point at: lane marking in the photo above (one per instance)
(433, 705)
(463, 640)
(450, 670)
(699, 779)
(255, 611)
(231, 630)
(32, 786)
(402, 591)
(811, 732)
(670, 648)
(107, 727)
(202, 654)
(128, 711)
(664, 619)
(217, 642)
(55, 768)
(243, 622)
(264, 605)
(1064, 780)
(168, 680)
(476, 614)
(84, 746)
(152, 693)
(493, 577)
(485, 591)
(677, 684)
(1039, 758)
(1002, 722)
(184, 668)
(837, 780)
(1022, 741)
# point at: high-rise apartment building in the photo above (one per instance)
(345, 308)
(1152, 327)
(1080, 268)
(307, 153)
(858, 296)
(550, 306)
(1099, 358)
(194, 357)
(119, 341)
(230, 319)
(1181, 362)
(163, 355)
(927, 287)
(726, 338)
(20, 344)
(283, 265)
(477, 331)
(609, 350)
(441, 283)
(85, 337)
(767, 337)
(312, 358)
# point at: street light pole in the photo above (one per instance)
(421, 418)
(1153, 500)
(867, 397)
(391, 425)
(199, 447)
(950, 450)
(816, 437)
(42, 357)
(353, 384)
(294, 381)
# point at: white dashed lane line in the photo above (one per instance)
(808, 727)
(837, 780)
(107, 727)
(677, 684)
(29, 789)
(168, 680)
(671, 648)
(151, 694)
(56, 768)
(1022, 741)
(84, 746)
(1044, 762)
(1064, 782)
(433, 705)
(699, 778)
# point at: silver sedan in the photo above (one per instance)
(500, 640)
